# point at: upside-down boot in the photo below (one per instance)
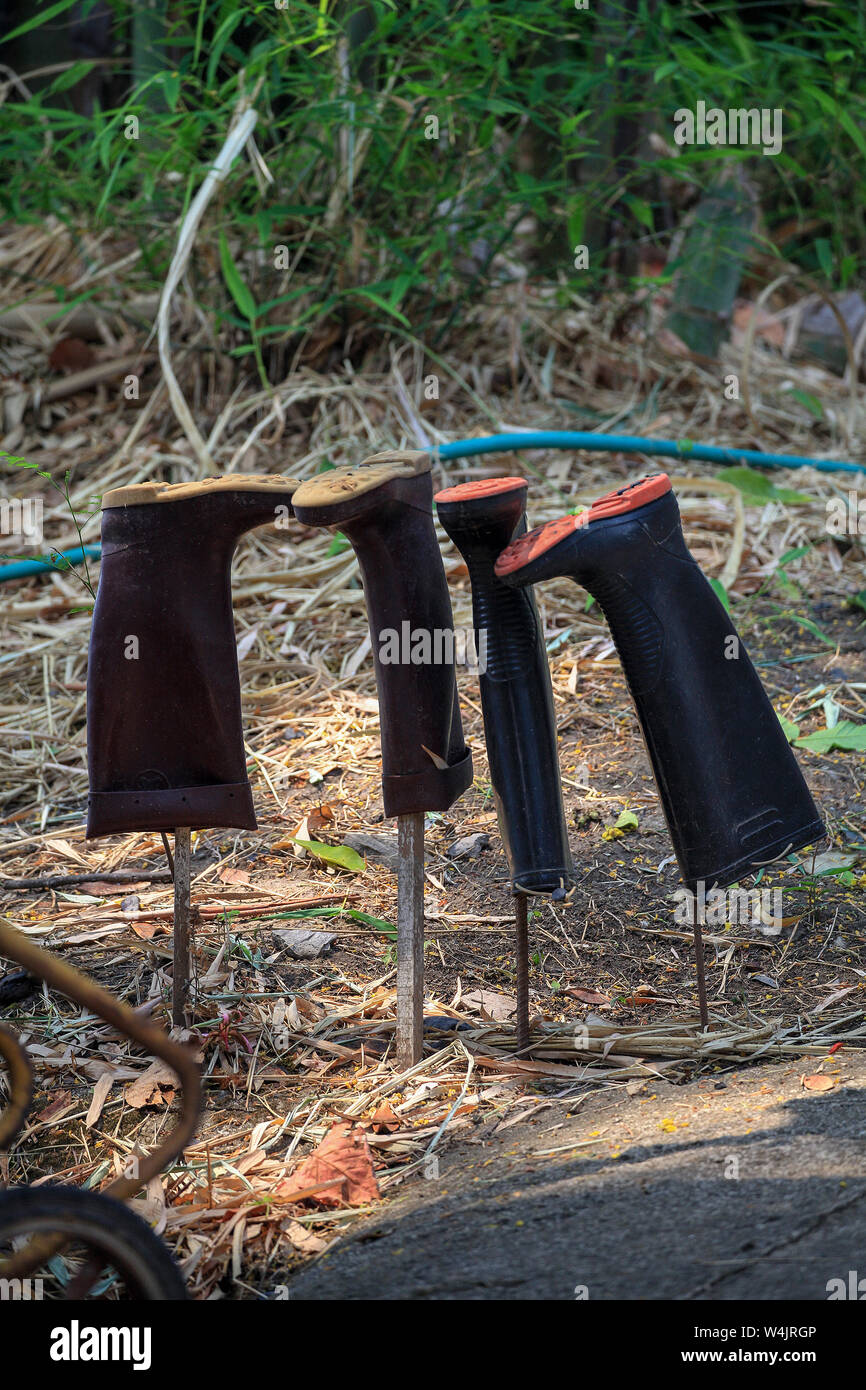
(732, 793)
(385, 508)
(164, 732)
(514, 678)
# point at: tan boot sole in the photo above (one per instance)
(346, 484)
(138, 494)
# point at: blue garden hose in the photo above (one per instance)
(682, 449)
(61, 561)
(633, 444)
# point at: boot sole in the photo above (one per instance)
(341, 494)
(143, 494)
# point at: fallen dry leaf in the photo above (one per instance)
(343, 1154)
(767, 325)
(230, 875)
(156, 1086)
(100, 889)
(645, 994)
(833, 999)
(384, 1121)
(818, 1083)
(587, 996)
(304, 944)
(71, 355)
(64, 848)
(146, 930)
(61, 1103)
(302, 1239)
(489, 1004)
(100, 1096)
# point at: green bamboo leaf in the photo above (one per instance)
(842, 115)
(238, 290)
(824, 253)
(39, 18)
(790, 555)
(665, 70)
(379, 923)
(846, 736)
(72, 75)
(721, 594)
(791, 730)
(384, 304)
(220, 39)
(170, 83)
(812, 404)
(757, 489)
(337, 546)
(815, 630)
(340, 856)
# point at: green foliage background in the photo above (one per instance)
(526, 93)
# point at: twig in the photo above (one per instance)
(94, 876)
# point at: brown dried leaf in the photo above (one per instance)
(61, 1103)
(384, 1121)
(100, 889)
(302, 1239)
(587, 996)
(818, 1083)
(156, 1086)
(230, 875)
(71, 355)
(343, 1154)
(100, 1096)
(318, 818)
(146, 930)
(489, 1004)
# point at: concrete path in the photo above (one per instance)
(739, 1185)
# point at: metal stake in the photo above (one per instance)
(182, 970)
(521, 915)
(410, 939)
(699, 961)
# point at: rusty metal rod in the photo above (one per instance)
(410, 939)
(699, 962)
(180, 1000)
(521, 916)
(20, 1086)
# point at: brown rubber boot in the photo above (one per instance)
(165, 739)
(385, 508)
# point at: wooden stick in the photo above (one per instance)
(410, 939)
(71, 880)
(92, 376)
(181, 976)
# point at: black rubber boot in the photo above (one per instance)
(732, 792)
(165, 739)
(514, 678)
(385, 508)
